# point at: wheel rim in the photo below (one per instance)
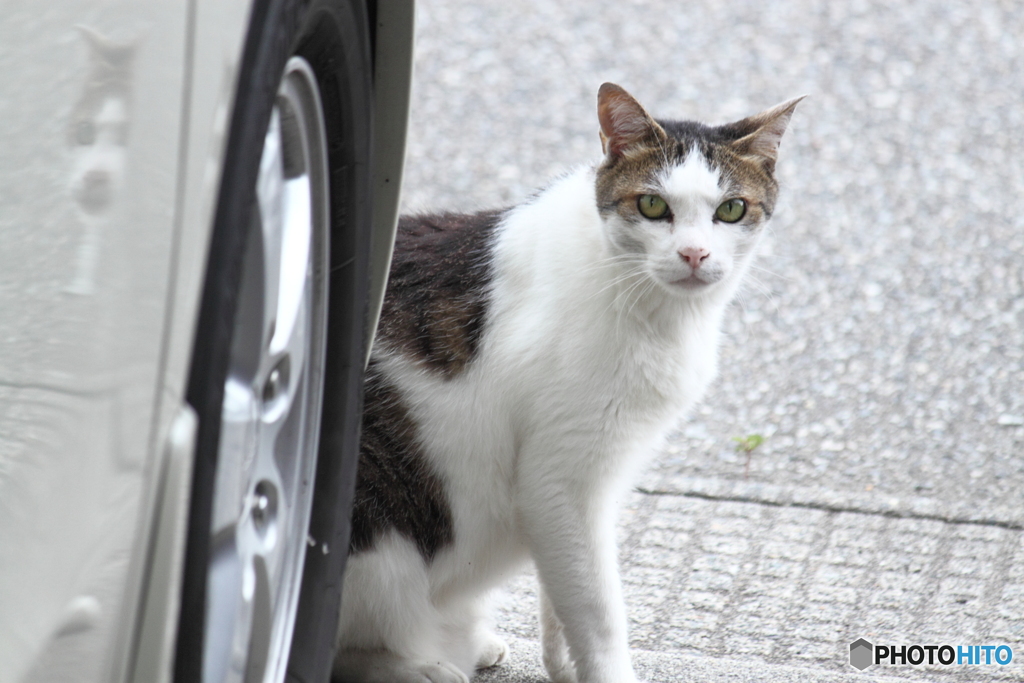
(270, 422)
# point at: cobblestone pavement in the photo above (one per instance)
(879, 348)
(780, 591)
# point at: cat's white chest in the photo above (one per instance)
(636, 386)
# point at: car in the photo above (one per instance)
(197, 206)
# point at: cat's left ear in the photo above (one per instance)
(762, 133)
(624, 123)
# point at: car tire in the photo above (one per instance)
(306, 65)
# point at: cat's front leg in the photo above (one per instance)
(572, 539)
(554, 649)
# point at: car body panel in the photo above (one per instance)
(88, 167)
(393, 60)
(105, 227)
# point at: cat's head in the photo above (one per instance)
(685, 202)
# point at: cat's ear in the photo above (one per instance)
(624, 123)
(762, 133)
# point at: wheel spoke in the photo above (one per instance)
(228, 613)
(270, 193)
(239, 423)
(294, 265)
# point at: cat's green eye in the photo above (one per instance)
(731, 210)
(652, 206)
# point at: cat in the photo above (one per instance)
(528, 361)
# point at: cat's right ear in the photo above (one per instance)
(624, 123)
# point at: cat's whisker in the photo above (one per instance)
(773, 273)
(645, 290)
(644, 285)
(622, 277)
(612, 259)
(763, 289)
(622, 259)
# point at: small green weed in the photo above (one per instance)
(747, 444)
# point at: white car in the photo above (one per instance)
(197, 207)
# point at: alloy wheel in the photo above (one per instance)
(270, 423)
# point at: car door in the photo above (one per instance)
(91, 99)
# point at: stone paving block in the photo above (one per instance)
(689, 641)
(925, 527)
(905, 580)
(723, 564)
(911, 543)
(785, 549)
(749, 645)
(815, 650)
(975, 548)
(694, 620)
(981, 534)
(856, 524)
(1006, 629)
(633, 574)
(725, 545)
(703, 600)
(779, 568)
(674, 539)
(968, 566)
(896, 598)
(838, 575)
(844, 594)
(883, 620)
(834, 612)
(757, 624)
(683, 510)
(825, 631)
(855, 537)
(762, 589)
(899, 561)
(657, 557)
(703, 580)
(1013, 593)
(960, 589)
(853, 556)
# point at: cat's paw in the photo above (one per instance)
(493, 653)
(562, 675)
(559, 667)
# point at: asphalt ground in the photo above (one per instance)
(878, 349)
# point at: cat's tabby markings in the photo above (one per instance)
(436, 300)
(395, 487)
(433, 312)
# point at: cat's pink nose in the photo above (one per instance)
(694, 255)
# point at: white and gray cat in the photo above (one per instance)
(528, 361)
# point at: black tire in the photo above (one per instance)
(334, 38)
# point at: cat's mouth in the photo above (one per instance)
(690, 282)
